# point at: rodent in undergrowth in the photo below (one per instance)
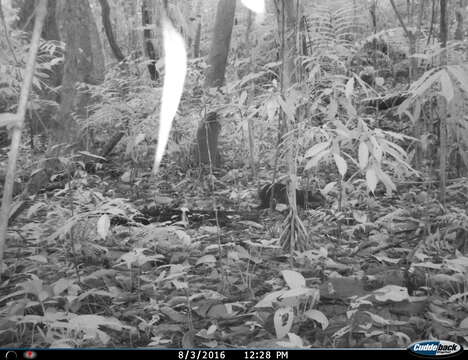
(304, 199)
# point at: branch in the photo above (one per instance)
(9, 120)
(405, 29)
(105, 13)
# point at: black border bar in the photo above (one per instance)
(205, 354)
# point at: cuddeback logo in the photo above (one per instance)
(435, 348)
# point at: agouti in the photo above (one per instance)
(304, 199)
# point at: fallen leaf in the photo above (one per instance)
(318, 316)
(293, 279)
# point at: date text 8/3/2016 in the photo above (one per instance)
(233, 354)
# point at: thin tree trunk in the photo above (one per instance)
(197, 39)
(289, 79)
(41, 13)
(372, 11)
(294, 236)
(150, 51)
(290, 46)
(105, 13)
(221, 42)
(444, 110)
(250, 128)
(433, 17)
(420, 16)
(459, 17)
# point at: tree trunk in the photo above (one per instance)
(294, 235)
(289, 79)
(251, 44)
(221, 42)
(209, 127)
(105, 13)
(459, 17)
(198, 27)
(84, 63)
(147, 14)
(290, 45)
(443, 107)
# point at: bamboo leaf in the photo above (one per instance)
(371, 179)
(316, 149)
(363, 155)
(349, 89)
(446, 86)
(340, 164)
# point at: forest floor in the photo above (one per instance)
(110, 259)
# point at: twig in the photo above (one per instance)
(405, 29)
(9, 120)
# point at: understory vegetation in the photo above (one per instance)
(100, 252)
